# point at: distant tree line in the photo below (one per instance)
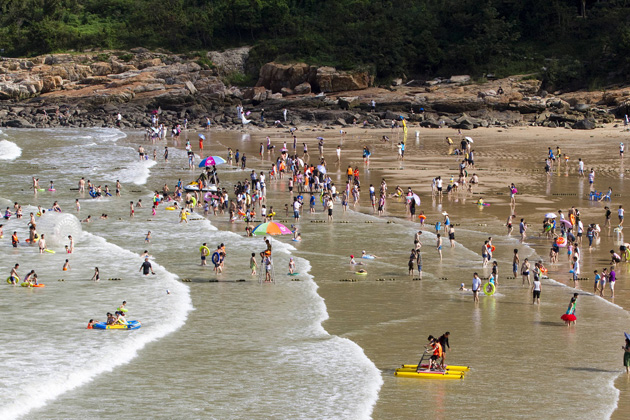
(574, 41)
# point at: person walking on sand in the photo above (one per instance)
(513, 192)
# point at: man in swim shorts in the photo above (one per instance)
(204, 253)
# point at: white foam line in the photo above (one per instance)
(364, 411)
(53, 388)
(9, 150)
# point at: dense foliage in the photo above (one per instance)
(390, 37)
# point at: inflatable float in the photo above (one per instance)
(195, 187)
(489, 289)
(27, 284)
(361, 273)
(448, 367)
(428, 374)
(131, 325)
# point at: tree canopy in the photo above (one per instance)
(574, 41)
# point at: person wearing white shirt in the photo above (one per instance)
(476, 287)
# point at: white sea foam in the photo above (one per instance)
(135, 172)
(9, 150)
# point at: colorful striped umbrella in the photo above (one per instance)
(271, 228)
(211, 160)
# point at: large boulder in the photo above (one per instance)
(329, 79)
(302, 88)
(275, 76)
(19, 123)
(347, 102)
(459, 79)
(51, 83)
(230, 61)
(101, 68)
(585, 124)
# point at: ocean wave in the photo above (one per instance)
(79, 358)
(9, 150)
(136, 172)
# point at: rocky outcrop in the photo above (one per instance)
(230, 61)
(302, 78)
(328, 79)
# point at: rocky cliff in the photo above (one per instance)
(88, 89)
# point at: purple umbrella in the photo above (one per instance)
(211, 160)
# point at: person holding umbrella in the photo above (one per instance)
(201, 139)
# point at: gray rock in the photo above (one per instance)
(19, 123)
(348, 102)
(585, 124)
(230, 61)
(191, 88)
(459, 79)
(582, 107)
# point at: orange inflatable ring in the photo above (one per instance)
(422, 217)
(493, 248)
(560, 241)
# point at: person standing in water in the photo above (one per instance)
(626, 355)
(146, 267)
(438, 245)
(536, 289)
(569, 317)
(515, 263)
(476, 287)
(97, 274)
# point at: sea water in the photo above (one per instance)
(229, 347)
(272, 333)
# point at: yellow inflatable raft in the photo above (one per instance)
(449, 367)
(429, 374)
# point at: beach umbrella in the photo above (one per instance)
(469, 139)
(271, 228)
(319, 138)
(211, 160)
(566, 222)
(201, 136)
(627, 335)
(415, 198)
(550, 216)
(321, 169)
